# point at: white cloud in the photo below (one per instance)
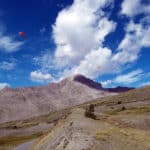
(137, 37)
(79, 30)
(106, 83)
(126, 79)
(38, 76)
(97, 62)
(7, 44)
(4, 65)
(145, 84)
(134, 7)
(130, 77)
(79, 34)
(137, 34)
(44, 61)
(4, 85)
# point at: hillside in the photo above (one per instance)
(27, 114)
(21, 103)
(120, 122)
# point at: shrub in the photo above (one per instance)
(89, 112)
(119, 102)
(123, 108)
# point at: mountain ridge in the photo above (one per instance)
(20, 103)
(81, 79)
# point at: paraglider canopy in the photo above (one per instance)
(22, 34)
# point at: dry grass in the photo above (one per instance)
(48, 118)
(102, 135)
(142, 94)
(10, 142)
(133, 135)
(134, 111)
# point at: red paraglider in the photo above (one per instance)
(22, 34)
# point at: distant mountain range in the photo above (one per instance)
(23, 103)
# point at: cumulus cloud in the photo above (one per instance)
(4, 85)
(97, 62)
(137, 37)
(79, 34)
(80, 29)
(134, 7)
(38, 76)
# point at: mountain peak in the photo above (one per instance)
(86, 81)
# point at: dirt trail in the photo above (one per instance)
(78, 132)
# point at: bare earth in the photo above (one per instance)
(122, 123)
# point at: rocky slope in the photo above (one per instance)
(119, 122)
(22, 103)
(116, 121)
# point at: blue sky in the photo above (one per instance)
(106, 40)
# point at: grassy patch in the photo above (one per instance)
(142, 94)
(12, 141)
(49, 118)
(141, 110)
(135, 111)
(18, 124)
(140, 137)
(102, 135)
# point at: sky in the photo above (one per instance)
(105, 40)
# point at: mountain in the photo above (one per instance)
(98, 86)
(119, 89)
(22, 103)
(90, 83)
(119, 122)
